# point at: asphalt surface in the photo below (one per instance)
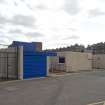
(73, 89)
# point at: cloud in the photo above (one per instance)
(72, 29)
(22, 0)
(59, 22)
(27, 34)
(41, 7)
(15, 3)
(71, 7)
(3, 20)
(74, 37)
(4, 38)
(2, 1)
(33, 34)
(26, 21)
(31, 8)
(1, 27)
(3, 41)
(96, 12)
(16, 31)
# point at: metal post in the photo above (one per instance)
(17, 62)
(7, 67)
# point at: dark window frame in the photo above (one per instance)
(61, 60)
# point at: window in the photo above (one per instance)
(61, 59)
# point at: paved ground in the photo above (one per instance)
(75, 89)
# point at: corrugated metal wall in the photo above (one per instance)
(31, 46)
(35, 65)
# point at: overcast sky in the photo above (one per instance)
(56, 23)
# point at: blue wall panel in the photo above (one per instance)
(34, 65)
(29, 47)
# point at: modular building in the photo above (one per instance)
(71, 61)
(98, 61)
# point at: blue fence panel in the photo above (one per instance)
(35, 65)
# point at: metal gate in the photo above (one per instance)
(34, 65)
(8, 63)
